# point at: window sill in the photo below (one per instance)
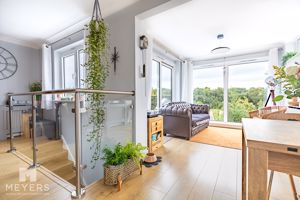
(226, 124)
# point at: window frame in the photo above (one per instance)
(76, 52)
(226, 67)
(160, 65)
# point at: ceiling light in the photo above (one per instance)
(220, 49)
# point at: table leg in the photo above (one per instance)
(257, 174)
(244, 167)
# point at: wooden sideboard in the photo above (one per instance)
(155, 133)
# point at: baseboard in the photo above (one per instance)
(66, 147)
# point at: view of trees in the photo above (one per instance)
(166, 97)
(154, 97)
(240, 101)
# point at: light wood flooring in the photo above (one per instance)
(50, 154)
(189, 171)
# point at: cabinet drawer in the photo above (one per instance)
(156, 123)
(156, 128)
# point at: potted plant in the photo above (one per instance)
(34, 87)
(121, 161)
(289, 77)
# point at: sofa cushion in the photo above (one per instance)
(200, 109)
(198, 119)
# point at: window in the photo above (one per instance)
(81, 68)
(208, 89)
(72, 69)
(155, 86)
(69, 71)
(166, 84)
(231, 91)
(246, 89)
(161, 84)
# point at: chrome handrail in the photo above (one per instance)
(73, 91)
(79, 191)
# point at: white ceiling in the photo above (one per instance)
(190, 30)
(34, 21)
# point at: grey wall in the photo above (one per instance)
(29, 70)
(123, 35)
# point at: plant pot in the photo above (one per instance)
(114, 175)
(150, 158)
(294, 101)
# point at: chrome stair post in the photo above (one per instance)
(34, 149)
(78, 192)
(12, 148)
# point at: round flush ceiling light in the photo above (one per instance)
(220, 49)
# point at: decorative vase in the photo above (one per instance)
(294, 101)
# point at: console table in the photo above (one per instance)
(268, 144)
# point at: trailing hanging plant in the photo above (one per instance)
(97, 66)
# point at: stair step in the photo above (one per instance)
(62, 167)
(50, 154)
(72, 180)
(21, 142)
(43, 152)
(50, 144)
(63, 155)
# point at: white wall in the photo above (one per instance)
(141, 96)
(29, 70)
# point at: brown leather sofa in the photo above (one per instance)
(184, 120)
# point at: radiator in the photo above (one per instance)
(4, 120)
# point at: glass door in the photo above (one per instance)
(208, 88)
(166, 84)
(246, 89)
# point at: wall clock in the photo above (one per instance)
(8, 64)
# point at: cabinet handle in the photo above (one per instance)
(156, 123)
(292, 149)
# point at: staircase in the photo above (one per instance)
(50, 154)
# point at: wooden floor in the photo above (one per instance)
(50, 154)
(189, 171)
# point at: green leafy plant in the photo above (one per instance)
(134, 151)
(97, 66)
(287, 56)
(115, 156)
(34, 87)
(289, 78)
(121, 154)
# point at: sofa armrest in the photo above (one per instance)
(200, 109)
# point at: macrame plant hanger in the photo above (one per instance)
(97, 15)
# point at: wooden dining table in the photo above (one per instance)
(268, 145)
